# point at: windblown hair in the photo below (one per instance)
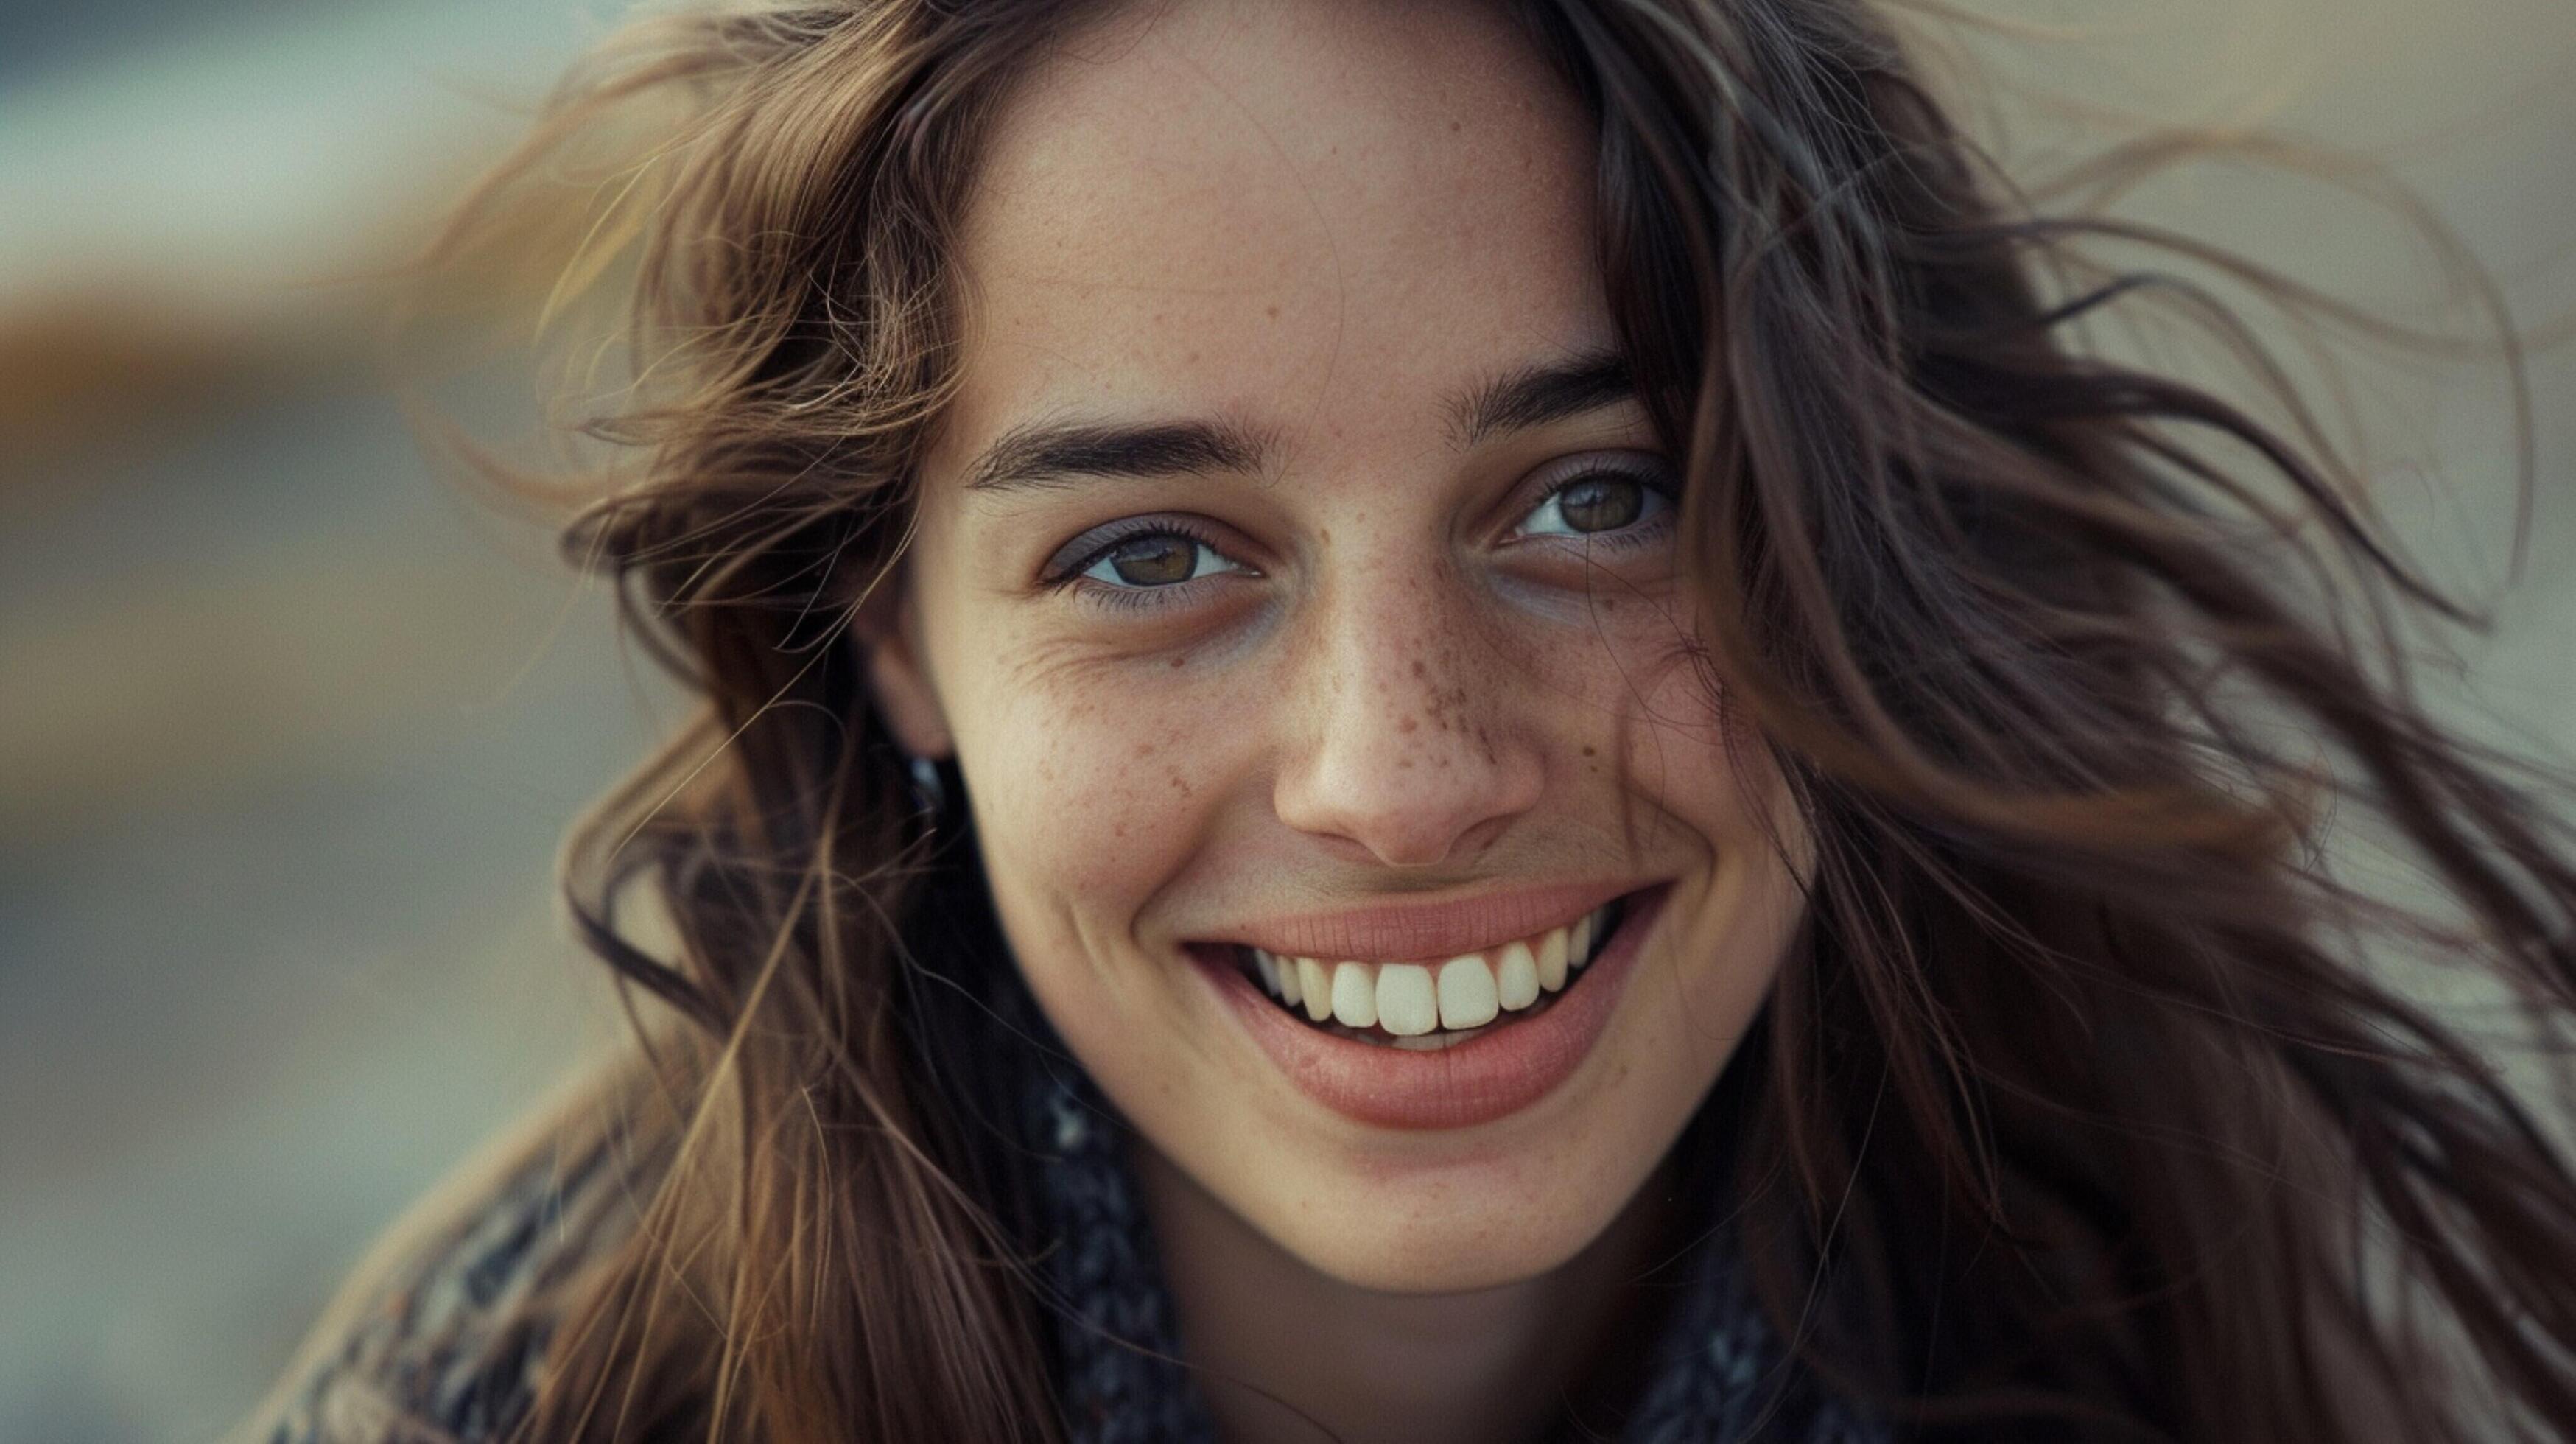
(2085, 1106)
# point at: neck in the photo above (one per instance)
(1284, 1353)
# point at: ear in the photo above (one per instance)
(887, 628)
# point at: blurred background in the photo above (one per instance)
(290, 722)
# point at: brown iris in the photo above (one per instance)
(1154, 561)
(1601, 503)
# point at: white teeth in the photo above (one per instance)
(1354, 995)
(1516, 977)
(1406, 1004)
(1467, 997)
(1456, 998)
(1434, 1042)
(1318, 988)
(1552, 951)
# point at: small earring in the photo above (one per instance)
(929, 792)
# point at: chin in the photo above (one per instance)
(1451, 1248)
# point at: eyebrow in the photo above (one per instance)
(1534, 396)
(1053, 453)
(1049, 453)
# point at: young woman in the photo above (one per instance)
(1460, 721)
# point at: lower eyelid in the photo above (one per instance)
(1628, 539)
(1177, 594)
(1105, 594)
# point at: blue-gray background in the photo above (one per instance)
(289, 725)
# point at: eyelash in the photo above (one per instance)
(1070, 575)
(1650, 475)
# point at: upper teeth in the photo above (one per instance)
(1410, 999)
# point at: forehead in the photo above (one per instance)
(1290, 211)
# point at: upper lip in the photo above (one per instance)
(1427, 931)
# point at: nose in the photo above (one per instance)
(1420, 746)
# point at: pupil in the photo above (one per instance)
(1601, 503)
(1154, 561)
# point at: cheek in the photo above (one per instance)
(1652, 727)
(1094, 786)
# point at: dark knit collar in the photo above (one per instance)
(1716, 1376)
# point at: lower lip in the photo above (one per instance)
(1478, 1081)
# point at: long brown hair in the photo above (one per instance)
(2084, 1106)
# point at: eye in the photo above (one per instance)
(1598, 496)
(1157, 559)
(1138, 558)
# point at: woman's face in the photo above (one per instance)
(1295, 572)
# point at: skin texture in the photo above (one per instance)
(1322, 225)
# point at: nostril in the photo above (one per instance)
(1410, 803)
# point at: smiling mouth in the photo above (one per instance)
(1435, 1005)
